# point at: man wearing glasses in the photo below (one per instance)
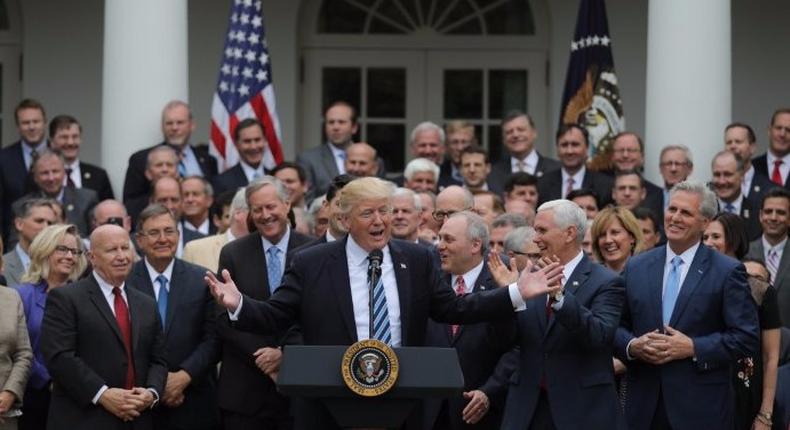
(628, 154)
(676, 165)
(451, 200)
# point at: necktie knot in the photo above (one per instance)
(162, 279)
(460, 286)
(729, 207)
(778, 163)
(677, 262)
(117, 292)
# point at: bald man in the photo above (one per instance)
(104, 376)
(361, 160)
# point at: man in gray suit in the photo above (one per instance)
(31, 216)
(775, 220)
(323, 163)
(49, 175)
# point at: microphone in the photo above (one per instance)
(374, 273)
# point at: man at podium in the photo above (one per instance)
(325, 290)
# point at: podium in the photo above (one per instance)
(314, 372)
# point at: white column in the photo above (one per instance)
(145, 66)
(689, 80)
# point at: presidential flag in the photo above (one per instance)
(591, 97)
(244, 88)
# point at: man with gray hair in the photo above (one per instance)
(675, 165)
(728, 169)
(205, 251)
(501, 226)
(462, 249)
(406, 210)
(451, 200)
(566, 375)
(688, 316)
(420, 175)
(428, 141)
(520, 245)
(197, 196)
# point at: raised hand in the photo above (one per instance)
(546, 280)
(226, 293)
(501, 274)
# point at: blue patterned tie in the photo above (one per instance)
(671, 289)
(182, 169)
(161, 301)
(274, 268)
(381, 318)
(730, 208)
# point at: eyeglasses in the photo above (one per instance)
(154, 234)
(674, 163)
(63, 249)
(620, 151)
(441, 215)
(530, 255)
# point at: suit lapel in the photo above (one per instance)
(402, 278)
(574, 283)
(784, 265)
(175, 293)
(328, 158)
(135, 317)
(655, 286)
(97, 297)
(693, 277)
(339, 281)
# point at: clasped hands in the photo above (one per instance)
(126, 404)
(660, 348)
(268, 361)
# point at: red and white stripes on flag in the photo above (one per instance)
(244, 88)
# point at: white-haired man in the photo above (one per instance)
(205, 251)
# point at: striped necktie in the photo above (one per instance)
(380, 329)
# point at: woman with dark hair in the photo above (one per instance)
(726, 233)
(754, 378)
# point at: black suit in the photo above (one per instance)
(502, 169)
(480, 347)
(750, 213)
(84, 350)
(191, 344)
(551, 187)
(137, 185)
(446, 175)
(231, 179)
(77, 204)
(13, 181)
(244, 390)
(760, 185)
(654, 199)
(95, 178)
(315, 292)
(761, 166)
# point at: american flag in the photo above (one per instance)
(244, 88)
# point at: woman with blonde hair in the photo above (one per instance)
(616, 236)
(56, 258)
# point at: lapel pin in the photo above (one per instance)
(757, 188)
(538, 174)
(482, 287)
(70, 208)
(403, 265)
(87, 175)
(575, 283)
(699, 271)
(746, 213)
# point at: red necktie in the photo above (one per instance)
(776, 175)
(460, 290)
(122, 317)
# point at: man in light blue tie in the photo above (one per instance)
(187, 316)
(688, 316)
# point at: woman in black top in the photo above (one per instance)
(754, 378)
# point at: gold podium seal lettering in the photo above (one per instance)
(369, 368)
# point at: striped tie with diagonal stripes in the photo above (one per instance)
(381, 319)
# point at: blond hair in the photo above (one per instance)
(43, 246)
(626, 218)
(368, 188)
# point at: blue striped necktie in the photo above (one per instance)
(381, 319)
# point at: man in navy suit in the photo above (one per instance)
(775, 164)
(325, 289)
(565, 378)
(65, 134)
(572, 149)
(739, 138)
(688, 316)
(463, 243)
(251, 145)
(16, 159)
(187, 314)
(727, 169)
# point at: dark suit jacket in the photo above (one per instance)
(190, 341)
(136, 184)
(761, 166)
(319, 166)
(13, 182)
(760, 185)
(315, 292)
(654, 199)
(480, 347)
(231, 179)
(550, 186)
(572, 351)
(84, 350)
(750, 213)
(716, 310)
(77, 203)
(782, 281)
(445, 175)
(502, 169)
(95, 178)
(243, 388)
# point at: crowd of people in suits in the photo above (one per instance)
(573, 296)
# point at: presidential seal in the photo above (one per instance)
(369, 368)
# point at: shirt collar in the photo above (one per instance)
(104, 285)
(23, 256)
(282, 245)
(578, 177)
(27, 148)
(687, 256)
(470, 277)
(771, 158)
(779, 246)
(530, 162)
(229, 235)
(250, 171)
(336, 152)
(737, 203)
(329, 237)
(570, 266)
(358, 256)
(198, 228)
(153, 274)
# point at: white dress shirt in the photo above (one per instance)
(250, 172)
(470, 277)
(736, 204)
(27, 152)
(190, 162)
(339, 156)
(687, 256)
(153, 274)
(282, 245)
(746, 183)
(76, 174)
(578, 178)
(203, 228)
(530, 163)
(784, 168)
